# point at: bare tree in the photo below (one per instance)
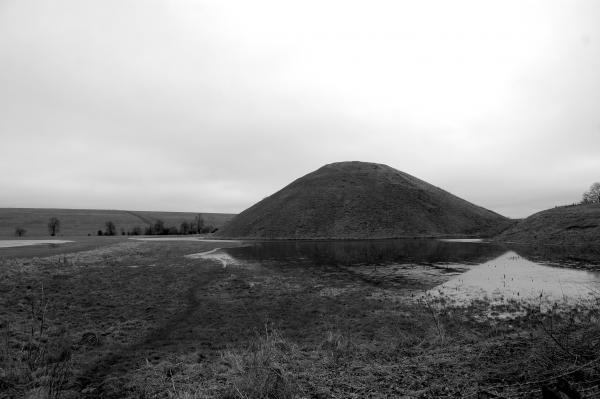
(184, 228)
(199, 223)
(20, 232)
(158, 227)
(111, 229)
(53, 226)
(592, 196)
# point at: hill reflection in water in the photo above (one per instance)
(513, 277)
(368, 252)
(465, 271)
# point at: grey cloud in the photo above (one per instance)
(212, 106)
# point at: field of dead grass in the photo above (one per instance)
(134, 319)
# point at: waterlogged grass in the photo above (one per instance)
(89, 324)
(446, 352)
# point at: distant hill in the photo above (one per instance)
(81, 222)
(362, 200)
(579, 224)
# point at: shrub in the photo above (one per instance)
(39, 365)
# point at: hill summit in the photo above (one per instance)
(361, 200)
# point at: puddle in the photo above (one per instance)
(25, 243)
(165, 239)
(407, 276)
(196, 239)
(461, 239)
(511, 277)
(214, 254)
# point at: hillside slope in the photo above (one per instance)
(81, 222)
(579, 224)
(361, 200)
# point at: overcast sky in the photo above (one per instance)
(213, 105)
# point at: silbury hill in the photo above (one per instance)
(359, 200)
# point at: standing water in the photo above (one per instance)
(460, 270)
(24, 243)
(513, 277)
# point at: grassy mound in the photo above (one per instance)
(362, 200)
(567, 225)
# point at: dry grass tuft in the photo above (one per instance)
(259, 372)
(33, 362)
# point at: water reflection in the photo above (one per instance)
(25, 243)
(372, 252)
(571, 256)
(216, 254)
(513, 277)
(462, 270)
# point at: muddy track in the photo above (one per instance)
(130, 357)
(220, 310)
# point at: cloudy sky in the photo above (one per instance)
(213, 105)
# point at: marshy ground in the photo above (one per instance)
(117, 318)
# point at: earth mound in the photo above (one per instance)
(357, 200)
(565, 225)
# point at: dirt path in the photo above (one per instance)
(222, 310)
(168, 337)
(141, 300)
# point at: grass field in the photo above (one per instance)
(108, 317)
(81, 222)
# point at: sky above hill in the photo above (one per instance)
(213, 105)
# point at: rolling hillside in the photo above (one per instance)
(579, 224)
(362, 200)
(81, 222)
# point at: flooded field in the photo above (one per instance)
(513, 277)
(173, 318)
(462, 271)
(183, 238)
(25, 243)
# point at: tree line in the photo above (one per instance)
(195, 226)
